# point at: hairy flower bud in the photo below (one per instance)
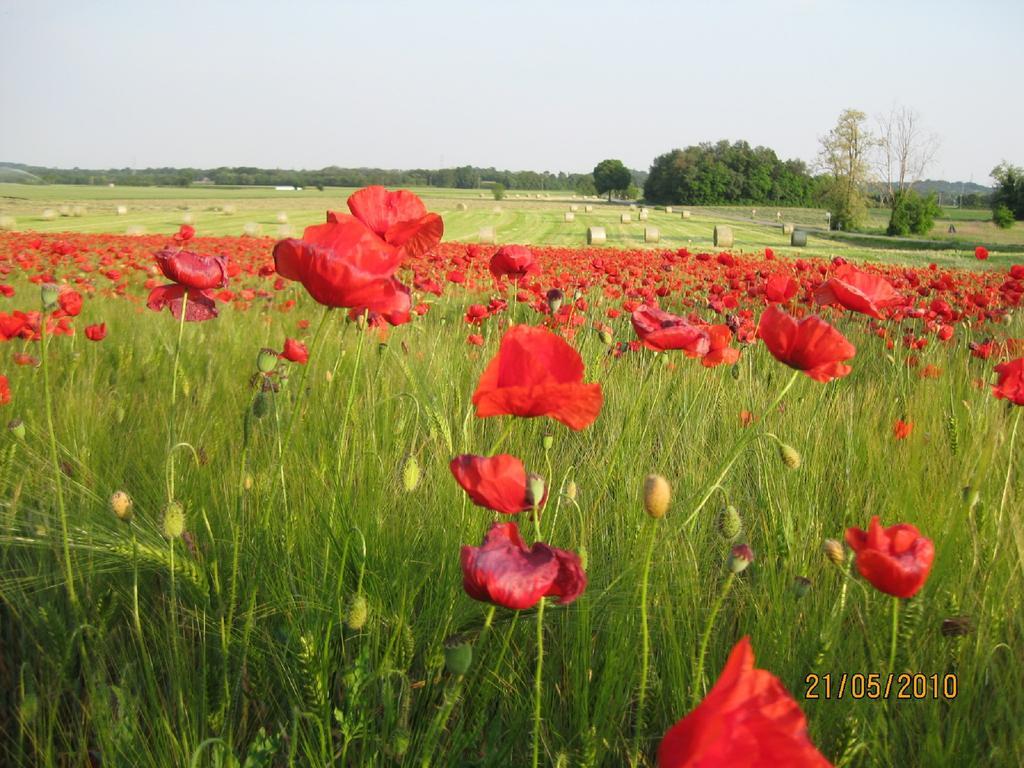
(410, 473)
(730, 525)
(740, 557)
(174, 520)
(657, 496)
(789, 456)
(834, 551)
(266, 360)
(17, 428)
(458, 654)
(121, 505)
(357, 614)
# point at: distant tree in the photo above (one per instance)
(498, 190)
(1002, 216)
(844, 155)
(611, 176)
(632, 192)
(905, 150)
(585, 185)
(1009, 190)
(913, 214)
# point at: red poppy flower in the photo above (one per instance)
(780, 288)
(475, 339)
(858, 291)
(96, 332)
(70, 302)
(810, 345)
(747, 719)
(5, 390)
(660, 330)
(198, 308)
(896, 560)
(981, 253)
(505, 572)
(514, 262)
(295, 351)
(192, 269)
(719, 352)
(184, 234)
(495, 482)
(399, 218)
(901, 429)
(537, 373)
(1011, 381)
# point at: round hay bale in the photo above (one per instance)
(668, 209)
(643, 215)
(285, 230)
(282, 217)
(722, 236)
(651, 235)
(122, 210)
(496, 209)
(188, 218)
(569, 216)
(48, 214)
(798, 239)
(7, 223)
(487, 236)
(632, 206)
(625, 218)
(588, 208)
(787, 229)
(685, 214)
(251, 229)
(64, 210)
(135, 229)
(78, 210)
(574, 208)
(462, 206)
(595, 235)
(228, 209)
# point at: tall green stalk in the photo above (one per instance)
(645, 640)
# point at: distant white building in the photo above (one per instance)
(288, 189)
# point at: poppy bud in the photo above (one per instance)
(735, 371)
(410, 473)
(801, 586)
(266, 360)
(730, 525)
(740, 557)
(555, 298)
(547, 441)
(971, 497)
(121, 505)
(789, 456)
(834, 551)
(458, 654)
(657, 496)
(535, 489)
(957, 626)
(606, 338)
(49, 293)
(17, 428)
(357, 614)
(174, 520)
(261, 405)
(571, 490)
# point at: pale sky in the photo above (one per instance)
(525, 85)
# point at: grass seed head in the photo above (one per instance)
(730, 524)
(657, 496)
(834, 551)
(410, 473)
(789, 455)
(571, 490)
(357, 614)
(174, 520)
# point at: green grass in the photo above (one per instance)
(243, 642)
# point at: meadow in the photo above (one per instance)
(285, 587)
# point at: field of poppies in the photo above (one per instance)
(371, 497)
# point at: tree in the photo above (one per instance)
(844, 155)
(1009, 189)
(585, 185)
(904, 152)
(913, 214)
(611, 176)
(498, 190)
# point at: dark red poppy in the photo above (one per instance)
(495, 482)
(896, 560)
(192, 269)
(1011, 381)
(514, 262)
(537, 373)
(660, 330)
(747, 719)
(198, 308)
(810, 345)
(185, 233)
(505, 572)
(858, 291)
(96, 332)
(295, 351)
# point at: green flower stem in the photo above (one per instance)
(538, 682)
(174, 399)
(1009, 465)
(645, 639)
(698, 679)
(895, 633)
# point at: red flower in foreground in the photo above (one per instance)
(901, 429)
(747, 719)
(981, 253)
(780, 288)
(5, 390)
(184, 234)
(295, 351)
(858, 291)
(810, 345)
(70, 302)
(505, 572)
(661, 331)
(194, 277)
(896, 560)
(351, 260)
(514, 262)
(537, 373)
(96, 332)
(1011, 381)
(495, 482)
